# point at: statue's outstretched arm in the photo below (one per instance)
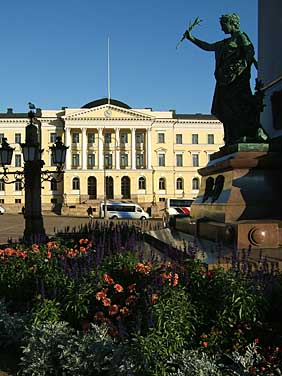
(200, 43)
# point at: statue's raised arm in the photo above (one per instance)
(200, 43)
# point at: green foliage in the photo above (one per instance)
(164, 317)
(76, 302)
(56, 349)
(192, 363)
(46, 311)
(12, 326)
(173, 329)
(240, 364)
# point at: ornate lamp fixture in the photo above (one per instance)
(31, 153)
(33, 176)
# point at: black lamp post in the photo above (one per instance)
(33, 176)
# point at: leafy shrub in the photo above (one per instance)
(12, 326)
(173, 329)
(56, 349)
(46, 310)
(192, 363)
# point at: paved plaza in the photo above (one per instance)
(12, 225)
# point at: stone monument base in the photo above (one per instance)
(240, 199)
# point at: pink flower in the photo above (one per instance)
(118, 287)
(113, 310)
(106, 302)
(107, 278)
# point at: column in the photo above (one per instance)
(133, 149)
(84, 149)
(117, 150)
(149, 148)
(100, 149)
(68, 143)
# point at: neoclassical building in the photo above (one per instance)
(116, 152)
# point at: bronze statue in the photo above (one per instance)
(233, 102)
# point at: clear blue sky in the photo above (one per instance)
(54, 52)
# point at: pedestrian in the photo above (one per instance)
(90, 212)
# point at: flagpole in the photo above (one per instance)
(109, 76)
(109, 101)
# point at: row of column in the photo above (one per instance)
(84, 148)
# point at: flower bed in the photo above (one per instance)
(77, 307)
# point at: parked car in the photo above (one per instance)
(2, 210)
(176, 207)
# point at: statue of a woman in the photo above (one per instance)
(233, 103)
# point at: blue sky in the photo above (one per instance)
(54, 53)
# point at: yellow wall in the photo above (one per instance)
(145, 121)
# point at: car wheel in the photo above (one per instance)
(114, 217)
(143, 218)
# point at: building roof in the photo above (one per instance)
(195, 116)
(102, 101)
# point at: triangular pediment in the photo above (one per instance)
(106, 112)
(160, 149)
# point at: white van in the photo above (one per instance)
(176, 207)
(123, 210)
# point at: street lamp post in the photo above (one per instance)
(34, 229)
(33, 175)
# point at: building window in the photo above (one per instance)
(195, 139)
(162, 199)
(161, 138)
(18, 160)
(139, 160)
(142, 183)
(179, 138)
(195, 183)
(162, 183)
(123, 160)
(91, 138)
(53, 137)
(18, 138)
(2, 185)
(54, 185)
(75, 160)
(139, 138)
(54, 201)
(123, 138)
(91, 160)
(179, 160)
(18, 185)
(1, 137)
(18, 201)
(75, 138)
(108, 138)
(161, 157)
(210, 138)
(179, 183)
(195, 160)
(2, 201)
(108, 160)
(75, 184)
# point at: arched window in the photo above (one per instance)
(2, 185)
(125, 187)
(75, 183)
(92, 188)
(162, 183)
(54, 185)
(179, 183)
(195, 183)
(142, 183)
